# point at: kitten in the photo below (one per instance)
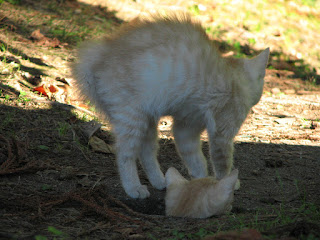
(198, 198)
(168, 66)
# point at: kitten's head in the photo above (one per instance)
(222, 194)
(174, 177)
(199, 198)
(255, 69)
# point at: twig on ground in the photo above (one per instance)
(126, 207)
(89, 202)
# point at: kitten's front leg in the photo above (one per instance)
(221, 153)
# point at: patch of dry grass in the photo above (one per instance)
(289, 28)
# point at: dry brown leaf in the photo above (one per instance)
(40, 39)
(89, 128)
(98, 145)
(37, 35)
(52, 89)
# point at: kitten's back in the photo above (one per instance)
(148, 63)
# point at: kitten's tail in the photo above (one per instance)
(83, 70)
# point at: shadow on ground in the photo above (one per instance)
(49, 177)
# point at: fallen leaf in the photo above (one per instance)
(41, 39)
(89, 128)
(37, 35)
(98, 145)
(53, 89)
(41, 90)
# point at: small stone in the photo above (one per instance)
(289, 91)
(275, 90)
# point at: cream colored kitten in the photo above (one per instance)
(198, 198)
(168, 66)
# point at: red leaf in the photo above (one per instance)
(40, 90)
(53, 89)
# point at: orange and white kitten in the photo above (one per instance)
(198, 198)
(168, 66)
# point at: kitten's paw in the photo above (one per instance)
(159, 183)
(140, 191)
(237, 186)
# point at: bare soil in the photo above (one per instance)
(50, 177)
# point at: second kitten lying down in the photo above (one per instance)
(198, 198)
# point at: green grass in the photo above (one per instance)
(23, 97)
(311, 3)
(14, 2)
(54, 233)
(262, 220)
(63, 128)
(194, 9)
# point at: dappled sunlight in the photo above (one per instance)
(58, 170)
(290, 29)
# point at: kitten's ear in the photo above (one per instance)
(257, 66)
(227, 184)
(173, 176)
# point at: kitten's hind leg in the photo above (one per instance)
(129, 175)
(129, 133)
(148, 156)
(187, 139)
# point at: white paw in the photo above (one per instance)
(159, 183)
(140, 191)
(237, 186)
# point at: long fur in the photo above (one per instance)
(168, 66)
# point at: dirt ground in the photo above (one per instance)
(54, 186)
(49, 177)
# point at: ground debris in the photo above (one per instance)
(96, 201)
(248, 234)
(40, 39)
(15, 155)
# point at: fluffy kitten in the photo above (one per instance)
(168, 66)
(198, 198)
